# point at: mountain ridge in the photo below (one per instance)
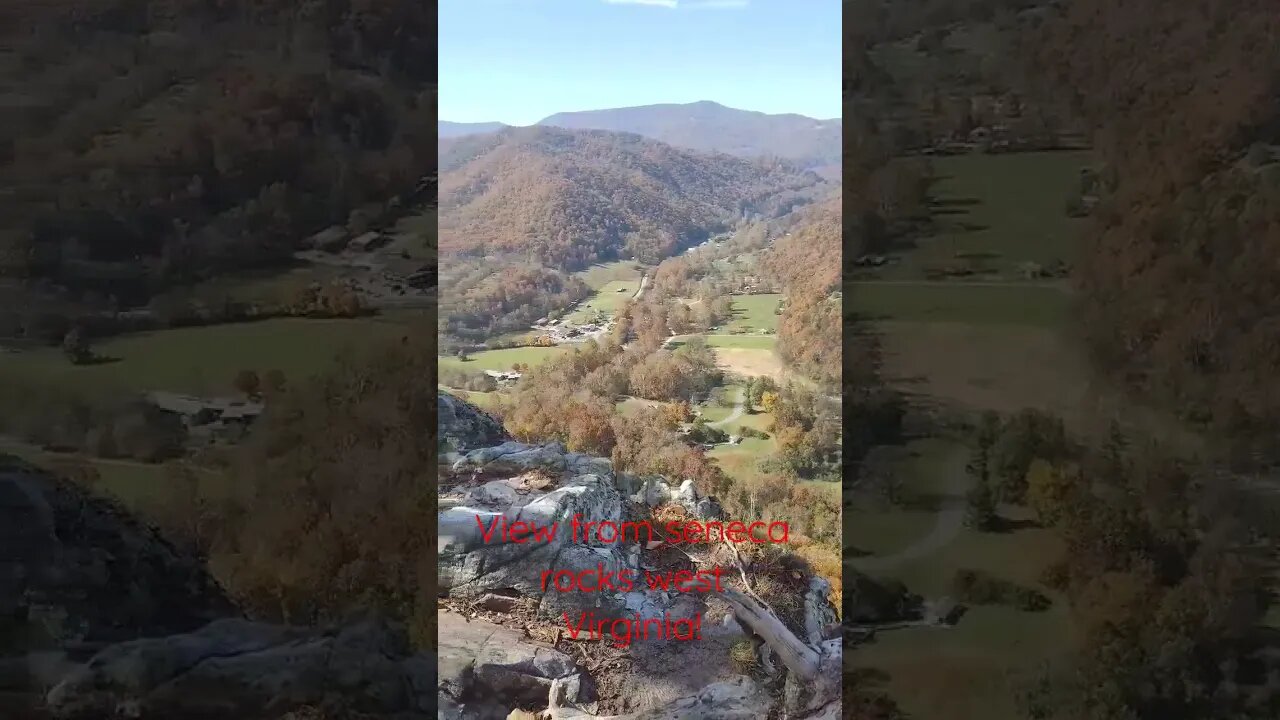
(704, 125)
(580, 196)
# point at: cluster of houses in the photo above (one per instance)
(337, 238)
(209, 419)
(557, 332)
(504, 378)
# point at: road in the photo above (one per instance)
(737, 412)
(947, 525)
(644, 285)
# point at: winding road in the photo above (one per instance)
(947, 525)
(737, 412)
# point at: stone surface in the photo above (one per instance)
(75, 569)
(869, 601)
(462, 426)
(470, 566)
(239, 668)
(489, 670)
(738, 699)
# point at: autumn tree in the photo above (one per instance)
(247, 382)
(75, 345)
(1050, 490)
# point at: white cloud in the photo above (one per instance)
(683, 4)
(655, 3)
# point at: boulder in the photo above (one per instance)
(869, 601)
(77, 570)
(738, 699)
(239, 668)
(487, 670)
(462, 426)
(470, 566)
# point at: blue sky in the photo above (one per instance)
(518, 61)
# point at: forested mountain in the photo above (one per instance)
(148, 142)
(446, 129)
(1179, 276)
(712, 127)
(570, 198)
(807, 262)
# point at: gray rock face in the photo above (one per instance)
(77, 569)
(243, 669)
(487, 670)
(868, 601)
(462, 426)
(585, 487)
(738, 699)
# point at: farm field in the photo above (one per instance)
(201, 360)
(965, 671)
(751, 314)
(133, 483)
(1044, 306)
(502, 359)
(751, 361)
(744, 342)
(1003, 209)
(599, 275)
(482, 400)
(962, 347)
(608, 298)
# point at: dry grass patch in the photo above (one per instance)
(750, 362)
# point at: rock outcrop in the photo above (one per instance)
(487, 669)
(462, 426)
(869, 601)
(76, 569)
(542, 486)
(236, 668)
(100, 617)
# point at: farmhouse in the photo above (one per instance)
(508, 376)
(198, 412)
(369, 241)
(331, 239)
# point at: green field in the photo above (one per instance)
(135, 484)
(482, 400)
(1044, 306)
(608, 298)
(597, 276)
(201, 360)
(753, 313)
(967, 672)
(1000, 210)
(502, 359)
(748, 342)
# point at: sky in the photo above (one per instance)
(518, 61)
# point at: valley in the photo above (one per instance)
(992, 542)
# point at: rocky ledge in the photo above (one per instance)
(100, 617)
(489, 670)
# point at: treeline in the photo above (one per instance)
(878, 22)
(481, 299)
(1177, 273)
(161, 142)
(1158, 568)
(573, 198)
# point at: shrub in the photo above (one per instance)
(743, 656)
(979, 588)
